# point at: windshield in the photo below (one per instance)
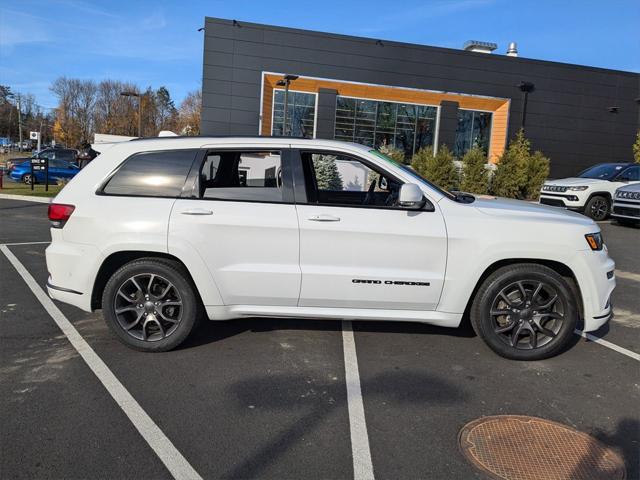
(604, 171)
(413, 173)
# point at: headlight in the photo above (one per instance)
(595, 240)
(578, 189)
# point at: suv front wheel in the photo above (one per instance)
(151, 304)
(525, 312)
(598, 208)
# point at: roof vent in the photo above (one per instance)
(512, 51)
(480, 47)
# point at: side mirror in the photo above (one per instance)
(411, 197)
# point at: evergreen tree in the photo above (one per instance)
(438, 168)
(510, 178)
(636, 148)
(392, 152)
(537, 173)
(327, 175)
(475, 177)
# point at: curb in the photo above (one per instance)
(25, 198)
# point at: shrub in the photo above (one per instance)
(537, 173)
(636, 148)
(438, 168)
(475, 177)
(510, 179)
(393, 153)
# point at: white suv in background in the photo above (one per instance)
(161, 232)
(626, 205)
(591, 192)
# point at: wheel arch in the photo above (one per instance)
(117, 259)
(607, 195)
(559, 267)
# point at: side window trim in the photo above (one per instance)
(300, 185)
(192, 188)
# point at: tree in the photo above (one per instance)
(537, 173)
(167, 114)
(327, 175)
(188, 122)
(510, 178)
(392, 152)
(475, 177)
(636, 148)
(438, 168)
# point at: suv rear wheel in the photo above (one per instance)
(151, 304)
(597, 208)
(525, 312)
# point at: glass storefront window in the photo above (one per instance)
(473, 130)
(301, 111)
(374, 123)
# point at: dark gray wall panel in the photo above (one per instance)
(567, 114)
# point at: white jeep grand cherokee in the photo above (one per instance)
(591, 192)
(161, 232)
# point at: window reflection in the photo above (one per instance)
(473, 130)
(374, 123)
(300, 114)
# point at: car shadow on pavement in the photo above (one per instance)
(625, 440)
(211, 331)
(318, 400)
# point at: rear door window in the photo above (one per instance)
(152, 174)
(249, 176)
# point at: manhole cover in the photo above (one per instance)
(513, 447)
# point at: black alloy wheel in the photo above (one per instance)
(598, 208)
(525, 311)
(151, 304)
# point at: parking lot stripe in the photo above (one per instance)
(361, 453)
(157, 440)
(610, 345)
(24, 243)
(628, 275)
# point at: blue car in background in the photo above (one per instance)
(58, 169)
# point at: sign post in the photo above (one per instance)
(35, 136)
(40, 165)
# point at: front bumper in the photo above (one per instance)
(565, 200)
(595, 274)
(626, 209)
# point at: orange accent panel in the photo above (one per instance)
(499, 106)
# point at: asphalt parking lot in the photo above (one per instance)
(265, 398)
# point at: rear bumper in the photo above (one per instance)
(72, 270)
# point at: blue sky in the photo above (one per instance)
(154, 43)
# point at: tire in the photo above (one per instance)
(598, 208)
(156, 319)
(498, 322)
(27, 179)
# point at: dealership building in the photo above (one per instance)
(410, 96)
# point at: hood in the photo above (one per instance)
(574, 181)
(522, 210)
(634, 187)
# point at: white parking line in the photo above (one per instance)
(23, 243)
(362, 466)
(157, 440)
(628, 275)
(610, 345)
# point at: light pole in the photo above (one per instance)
(525, 88)
(19, 123)
(136, 94)
(285, 82)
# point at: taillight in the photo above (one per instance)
(59, 214)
